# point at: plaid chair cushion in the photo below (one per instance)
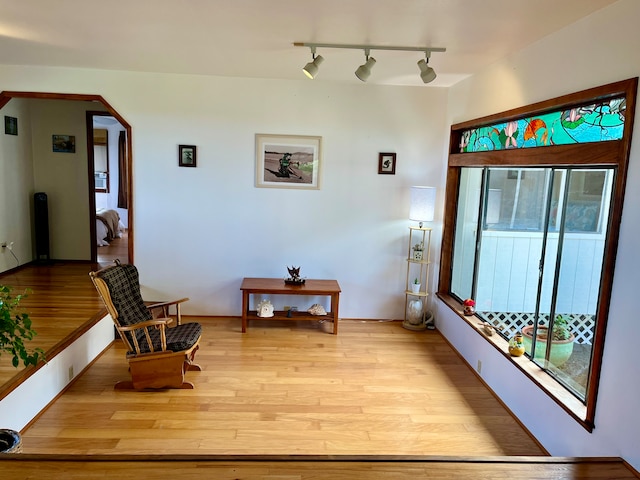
(124, 288)
(179, 338)
(123, 282)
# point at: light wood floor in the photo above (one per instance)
(117, 249)
(358, 400)
(285, 388)
(61, 301)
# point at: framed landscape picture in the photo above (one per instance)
(288, 161)
(64, 143)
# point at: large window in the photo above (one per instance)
(534, 202)
(539, 234)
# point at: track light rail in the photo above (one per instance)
(369, 47)
(427, 74)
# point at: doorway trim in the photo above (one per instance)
(6, 96)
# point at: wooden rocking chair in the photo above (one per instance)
(158, 355)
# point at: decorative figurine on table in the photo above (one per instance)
(294, 276)
(469, 306)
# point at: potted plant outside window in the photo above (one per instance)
(418, 251)
(15, 330)
(561, 341)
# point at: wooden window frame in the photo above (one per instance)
(99, 143)
(610, 153)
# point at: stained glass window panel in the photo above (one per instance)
(596, 122)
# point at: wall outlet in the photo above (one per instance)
(479, 366)
(71, 372)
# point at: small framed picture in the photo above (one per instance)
(186, 155)
(64, 143)
(387, 164)
(10, 125)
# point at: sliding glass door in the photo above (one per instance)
(529, 248)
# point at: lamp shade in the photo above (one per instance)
(311, 68)
(364, 71)
(423, 201)
(427, 74)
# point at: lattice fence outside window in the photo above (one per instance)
(509, 322)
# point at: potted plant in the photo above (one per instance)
(415, 286)
(418, 250)
(561, 341)
(15, 329)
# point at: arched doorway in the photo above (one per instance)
(6, 96)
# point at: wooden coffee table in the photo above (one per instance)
(276, 286)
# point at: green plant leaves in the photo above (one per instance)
(15, 329)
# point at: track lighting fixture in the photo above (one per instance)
(427, 74)
(364, 70)
(311, 68)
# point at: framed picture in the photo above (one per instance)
(387, 164)
(10, 125)
(64, 143)
(288, 161)
(186, 155)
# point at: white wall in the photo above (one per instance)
(16, 187)
(28, 165)
(64, 177)
(597, 50)
(201, 230)
(198, 231)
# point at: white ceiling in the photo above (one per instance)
(254, 38)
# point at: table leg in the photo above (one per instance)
(245, 310)
(335, 300)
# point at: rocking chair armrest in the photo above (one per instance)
(156, 322)
(167, 303)
(163, 308)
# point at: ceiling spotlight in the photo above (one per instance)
(364, 70)
(311, 68)
(427, 74)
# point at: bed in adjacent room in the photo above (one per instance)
(108, 226)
